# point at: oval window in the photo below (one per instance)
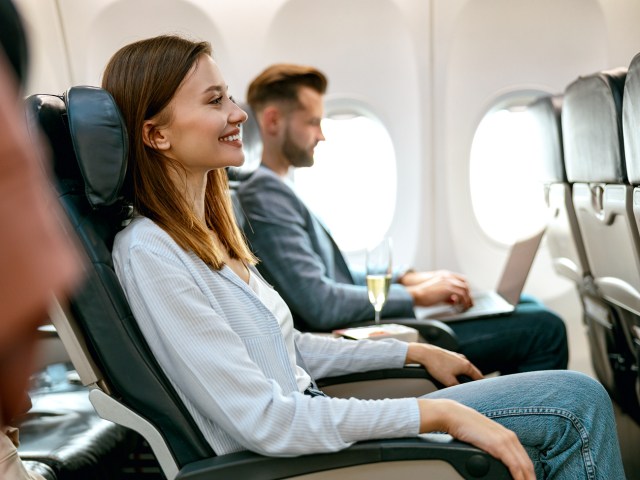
(352, 185)
(507, 197)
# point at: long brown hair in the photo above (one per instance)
(143, 77)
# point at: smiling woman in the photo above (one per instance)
(176, 127)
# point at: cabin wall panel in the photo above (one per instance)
(377, 67)
(48, 68)
(429, 69)
(532, 45)
(95, 30)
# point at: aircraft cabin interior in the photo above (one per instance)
(459, 129)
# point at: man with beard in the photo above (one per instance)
(300, 259)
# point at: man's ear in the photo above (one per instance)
(271, 120)
(154, 137)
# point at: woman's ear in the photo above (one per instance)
(154, 137)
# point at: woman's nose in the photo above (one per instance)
(238, 115)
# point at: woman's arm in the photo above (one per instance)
(327, 356)
(210, 364)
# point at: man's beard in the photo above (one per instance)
(298, 157)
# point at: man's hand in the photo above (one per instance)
(429, 288)
(443, 365)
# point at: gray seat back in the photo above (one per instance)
(595, 164)
(563, 234)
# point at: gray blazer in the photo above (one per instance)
(301, 260)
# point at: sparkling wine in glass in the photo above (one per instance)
(379, 269)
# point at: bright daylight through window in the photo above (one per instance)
(507, 196)
(352, 186)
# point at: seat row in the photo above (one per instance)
(90, 151)
(128, 386)
(589, 139)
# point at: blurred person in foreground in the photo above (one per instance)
(37, 260)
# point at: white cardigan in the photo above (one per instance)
(225, 354)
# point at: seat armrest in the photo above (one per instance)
(410, 381)
(462, 459)
(406, 372)
(434, 332)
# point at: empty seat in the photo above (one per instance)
(595, 165)
(594, 156)
(63, 431)
(563, 234)
(631, 130)
(564, 239)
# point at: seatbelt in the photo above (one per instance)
(312, 389)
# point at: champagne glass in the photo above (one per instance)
(379, 275)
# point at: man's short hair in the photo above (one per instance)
(281, 82)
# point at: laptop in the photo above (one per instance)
(504, 298)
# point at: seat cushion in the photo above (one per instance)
(63, 431)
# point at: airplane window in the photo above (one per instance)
(507, 197)
(352, 185)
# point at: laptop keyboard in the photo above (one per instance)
(483, 301)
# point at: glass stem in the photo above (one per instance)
(377, 317)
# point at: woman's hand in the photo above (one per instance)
(443, 365)
(467, 425)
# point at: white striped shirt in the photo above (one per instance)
(224, 352)
(278, 307)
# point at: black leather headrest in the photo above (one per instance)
(100, 141)
(631, 120)
(592, 128)
(48, 114)
(545, 114)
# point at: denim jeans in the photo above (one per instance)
(563, 419)
(531, 338)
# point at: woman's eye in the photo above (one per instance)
(216, 101)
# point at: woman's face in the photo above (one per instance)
(204, 130)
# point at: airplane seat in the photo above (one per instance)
(61, 436)
(595, 165)
(630, 128)
(39, 468)
(563, 233)
(111, 356)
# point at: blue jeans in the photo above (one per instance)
(531, 338)
(563, 419)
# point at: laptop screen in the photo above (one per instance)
(517, 268)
